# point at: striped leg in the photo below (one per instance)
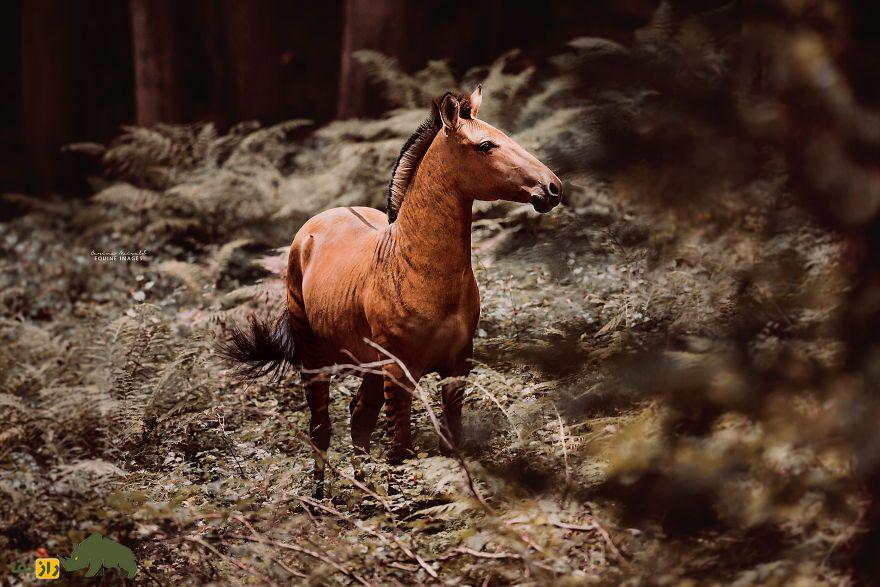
(452, 397)
(365, 407)
(318, 398)
(398, 408)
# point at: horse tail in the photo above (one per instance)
(260, 348)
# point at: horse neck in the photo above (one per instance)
(434, 222)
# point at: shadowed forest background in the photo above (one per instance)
(76, 71)
(676, 372)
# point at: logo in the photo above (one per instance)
(44, 568)
(47, 568)
(95, 552)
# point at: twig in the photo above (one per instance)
(500, 407)
(845, 536)
(564, 449)
(287, 568)
(240, 565)
(522, 536)
(346, 367)
(365, 528)
(309, 514)
(317, 555)
(333, 511)
(418, 559)
(244, 521)
(592, 527)
(351, 478)
(228, 445)
(492, 555)
(151, 577)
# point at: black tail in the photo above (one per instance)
(260, 348)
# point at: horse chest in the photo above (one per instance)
(451, 341)
(433, 326)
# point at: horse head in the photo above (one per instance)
(488, 164)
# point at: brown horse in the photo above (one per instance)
(403, 280)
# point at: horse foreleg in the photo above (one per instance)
(398, 408)
(318, 398)
(365, 407)
(452, 398)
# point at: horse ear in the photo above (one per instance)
(476, 100)
(449, 112)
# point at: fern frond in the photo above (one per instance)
(127, 197)
(190, 274)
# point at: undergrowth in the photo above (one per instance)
(654, 398)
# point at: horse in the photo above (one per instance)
(360, 281)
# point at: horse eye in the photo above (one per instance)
(486, 146)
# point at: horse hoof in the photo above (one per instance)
(396, 457)
(447, 451)
(318, 493)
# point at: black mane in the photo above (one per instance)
(414, 149)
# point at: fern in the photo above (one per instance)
(190, 274)
(446, 511)
(127, 197)
(401, 89)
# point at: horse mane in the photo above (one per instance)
(414, 149)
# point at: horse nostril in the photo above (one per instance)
(553, 188)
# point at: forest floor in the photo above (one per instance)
(210, 481)
(118, 417)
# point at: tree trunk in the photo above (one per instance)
(379, 25)
(157, 80)
(251, 30)
(47, 101)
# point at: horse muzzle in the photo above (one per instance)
(548, 198)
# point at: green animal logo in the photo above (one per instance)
(97, 552)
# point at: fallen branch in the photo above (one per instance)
(418, 559)
(394, 540)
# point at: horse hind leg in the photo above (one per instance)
(318, 399)
(365, 408)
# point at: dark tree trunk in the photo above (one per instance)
(310, 56)
(254, 59)
(379, 25)
(47, 100)
(157, 81)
